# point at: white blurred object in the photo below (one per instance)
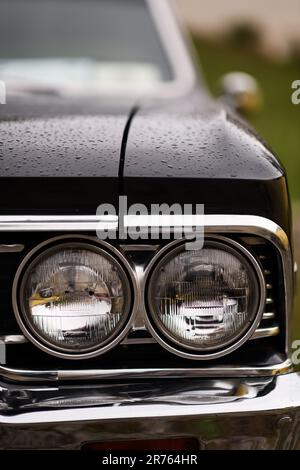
(242, 91)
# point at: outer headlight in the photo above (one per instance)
(74, 300)
(205, 303)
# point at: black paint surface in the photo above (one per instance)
(63, 158)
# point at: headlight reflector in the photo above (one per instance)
(204, 300)
(74, 298)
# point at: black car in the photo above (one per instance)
(146, 266)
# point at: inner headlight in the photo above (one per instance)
(74, 298)
(205, 301)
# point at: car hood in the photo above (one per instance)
(58, 155)
(205, 155)
(211, 142)
(53, 137)
(55, 159)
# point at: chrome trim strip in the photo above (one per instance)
(172, 373)
(13, 339)
(135, 248)
(40, 223)
(266, 332)
(27, 376)
(20, 375)
(189, 221)
(131, 341)
(17, 248)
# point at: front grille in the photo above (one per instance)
(139, 353)
(270, 323)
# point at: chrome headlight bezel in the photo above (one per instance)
(162, 335)
(54, 245)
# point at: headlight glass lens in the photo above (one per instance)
(203, 299)
(74, 298)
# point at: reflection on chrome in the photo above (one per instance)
(201, 319)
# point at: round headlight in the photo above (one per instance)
(74, 298)
(205, 303)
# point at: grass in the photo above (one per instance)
(278, 122)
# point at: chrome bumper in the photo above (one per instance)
(257, 413)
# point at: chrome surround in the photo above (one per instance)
(160, 333)
(243, 224)
(93, 245)
(17, 248)
(221, 224)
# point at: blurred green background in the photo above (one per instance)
(279, 120)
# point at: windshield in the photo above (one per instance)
(91, 44)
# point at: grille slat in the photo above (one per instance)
(268, 316)
(266, 332)
(268, 326)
